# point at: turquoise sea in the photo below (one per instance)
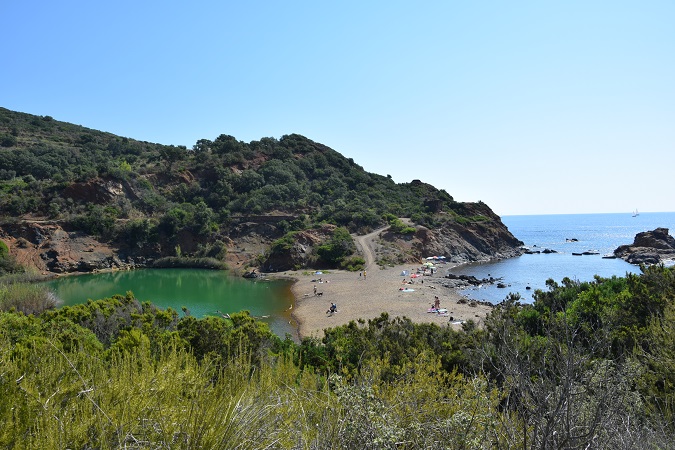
(602, 233)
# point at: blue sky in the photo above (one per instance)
(532, 107)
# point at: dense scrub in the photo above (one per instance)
(147, 199)
(199, 188)
(587, 365)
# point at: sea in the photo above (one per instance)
(566, 234)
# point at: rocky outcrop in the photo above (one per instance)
(482, 238)
(649, 247)
(47, 247)
(462, 281)
(94, 191)
(300, 253)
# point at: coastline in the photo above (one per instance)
(379, 291)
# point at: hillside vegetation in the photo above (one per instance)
(588, 365)
(155, 200)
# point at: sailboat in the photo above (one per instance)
(636, 213)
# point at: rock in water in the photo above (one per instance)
(648, 247)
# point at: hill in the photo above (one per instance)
(77, 199)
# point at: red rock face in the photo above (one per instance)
(48, 247)
(94, 191)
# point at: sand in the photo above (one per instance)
(367, 297)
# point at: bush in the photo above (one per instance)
(7, 262)
(353, 264)
(98, 221)
(26, 298)
(337, 248)
(7, 140)
(397, 226)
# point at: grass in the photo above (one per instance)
(195, 263)
(26, 298)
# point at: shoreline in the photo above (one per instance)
(367, 297)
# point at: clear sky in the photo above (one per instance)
(534, 107)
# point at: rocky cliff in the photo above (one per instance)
(483, 238)
(50, 248)
(47, 247)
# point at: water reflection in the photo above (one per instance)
(202, 292)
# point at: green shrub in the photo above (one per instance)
(284, 244)
(7, 140)
(340, 245)
(353, 264)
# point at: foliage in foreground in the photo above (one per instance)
(555, 374)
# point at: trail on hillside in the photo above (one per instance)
(366, 244)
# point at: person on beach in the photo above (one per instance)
(315, 289)
(332, 309)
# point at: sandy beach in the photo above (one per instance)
(360, 295)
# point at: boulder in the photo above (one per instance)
(648, 247)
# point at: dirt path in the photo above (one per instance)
(366, 246)
(361, 297)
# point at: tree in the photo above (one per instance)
(202, 145)
(340, 245)
(173, 154)
(7, 140)
(176, 219)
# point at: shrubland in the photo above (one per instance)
(150, 198)
(586, 365)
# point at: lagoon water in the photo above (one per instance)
(202, 292)
(597, 232)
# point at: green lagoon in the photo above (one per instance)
(202, 292)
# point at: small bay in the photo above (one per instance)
(565, 234)
(202, 292)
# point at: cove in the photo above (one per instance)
(202, 292)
